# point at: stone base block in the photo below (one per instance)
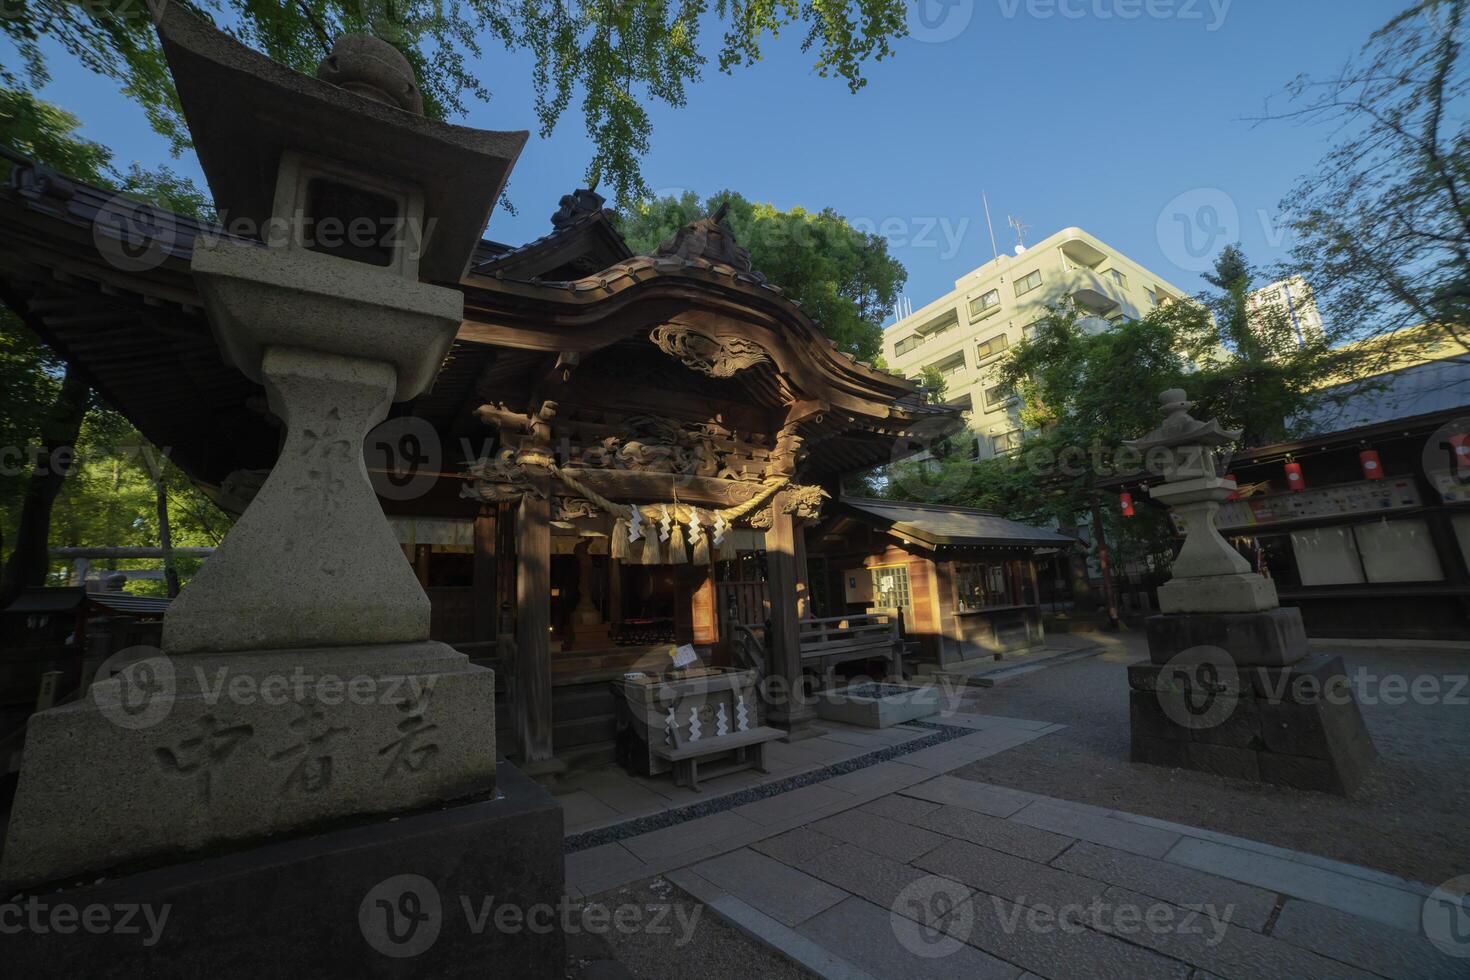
(1272, 638)
(175, 755)
(878, 705)
(396, 898)
(1237, 592)
(1296, 726)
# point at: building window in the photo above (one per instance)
(1117, 277)
(1006, 441)
(1028, 282)
(907, 344)
(995, 397)
(985, 305)
(991, 347)
(1153, 295)
(985, 585)
(891, 587)
(1030, 330)
(950, 365)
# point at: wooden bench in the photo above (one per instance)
(749, 747)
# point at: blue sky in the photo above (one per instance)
(1128, 118)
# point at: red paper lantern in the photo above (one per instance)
(1294, 479)
(1126, 499)
(1372, 465)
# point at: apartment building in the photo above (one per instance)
(1292, 299)
(965, 332)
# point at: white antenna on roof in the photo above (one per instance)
(995, 252)
(1020, 230)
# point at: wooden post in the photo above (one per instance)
(533, 621)
(803, 586)
(791, 711)
(614, 611)
(486, 602)
(1105, 566)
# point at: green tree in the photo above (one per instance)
(843, 278)
(1383, 225)
(934, 380)
(1084, 393)
(49, 418)
(620, 57)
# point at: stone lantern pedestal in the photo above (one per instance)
(1231, 686)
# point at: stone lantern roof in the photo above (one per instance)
(365, 109)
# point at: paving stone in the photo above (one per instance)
(1005, 930)
(885, 777)
(943, 758)
(860, 739)
(994, 800)
(855, 869)
(881, 835)
(794, 803)
(1213, 944)
(670, 841)
(865, 934)
(1009, 877)
(581, 809)
(1251, 907)
(1357, 896)
(1148, 841)
(904, 808)
(795, 845)
(598, 863)
(785, 894)
(1363, 943)
(626, 796)
(996, 833)
(814, 957)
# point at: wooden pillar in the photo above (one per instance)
(533, 622)
(803, 587)
(487, 600)
(614, 611)
(789, 710)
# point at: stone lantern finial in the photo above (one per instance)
(375, 70)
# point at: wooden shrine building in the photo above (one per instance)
(963, 580)
(590, 392)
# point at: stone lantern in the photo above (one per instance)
(1231, 686)
(298, 683)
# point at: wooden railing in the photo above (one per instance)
(825, 643)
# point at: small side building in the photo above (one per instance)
(963, 579)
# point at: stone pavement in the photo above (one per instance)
(896, 869)
(949, 877)
(623, 828)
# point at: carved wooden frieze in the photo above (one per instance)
(803, 501)
(720, 356)
(497, 478)
(572, 508)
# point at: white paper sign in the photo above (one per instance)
(685, 655)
